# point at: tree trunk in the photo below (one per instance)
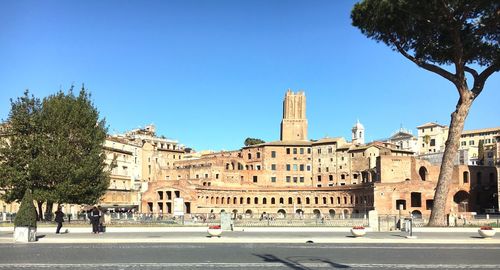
(40, 210)
(438, 213)
(48, 210)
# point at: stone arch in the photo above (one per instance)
(331, 212)
(461, 198)
(423, 173)
(416, 214)
(317, 213)
(273, 200)
(299, 212)
(281, 213)
(290, 200)
(345, 213)
(248, 213)
(249, 200)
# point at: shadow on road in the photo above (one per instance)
(297, 262)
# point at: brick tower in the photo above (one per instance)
(294, 123)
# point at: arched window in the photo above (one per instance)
(331, 200)
(423, 173)
(324, 200)
(248, 201)
(308, 201)
(273, 200)
(316, 200)
(249, 155)
(264, 200)
(466, 177)
(282, 201)
(256, 200)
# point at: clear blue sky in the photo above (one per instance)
(211, 73)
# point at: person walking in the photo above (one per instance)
(94, 219)
(59, 219)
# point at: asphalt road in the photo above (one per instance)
(248, 256)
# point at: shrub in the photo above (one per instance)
(214, 227)
(358, 228)
(486, 228)
(26, 216)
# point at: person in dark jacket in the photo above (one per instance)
(95, 215)
(59, 219)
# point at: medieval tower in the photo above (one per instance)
(294, 123)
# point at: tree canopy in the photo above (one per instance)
(54, 148)
(253, 141)
(446, 37)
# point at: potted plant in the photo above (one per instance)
(25, 221)
(358, 231)
(214, 230)
(486, 231)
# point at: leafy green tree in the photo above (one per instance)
(75, 169)
(439, 36)
(480, 152)
(20, 148)
(26, 216)
(253, 141)
(54, 148)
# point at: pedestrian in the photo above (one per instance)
(101, 220)
(59, 219)
(94, 219)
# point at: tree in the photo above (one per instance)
(26, 216)
(20, 148)
(438, 35)
(480, 153)
(54, 148)
(74, 161)
(253, 141)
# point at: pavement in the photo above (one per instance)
(426, 235)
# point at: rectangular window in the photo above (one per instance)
(319, 178)
(288, 151)
(433, 142)
(309, 150)
(288, 167)
(295, 151)
(416, 199)
(302, 179)
(273, 179)
(308, 168)
(319, 150)
(273, 154)
(255, 178)
(301, 167)
(295, 179)
(295, 167)
(429, 204)
(471, 142)
(273, 167)
(319, 170)
(301, 151)
(288, 179)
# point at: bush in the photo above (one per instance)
(486, 228)
(26, 216)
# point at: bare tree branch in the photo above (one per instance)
(481, 78)
(430, 67)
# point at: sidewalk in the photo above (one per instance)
(302, 235)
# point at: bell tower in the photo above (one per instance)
(294, 123)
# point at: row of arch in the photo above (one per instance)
(281, 213)
(331, 200)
